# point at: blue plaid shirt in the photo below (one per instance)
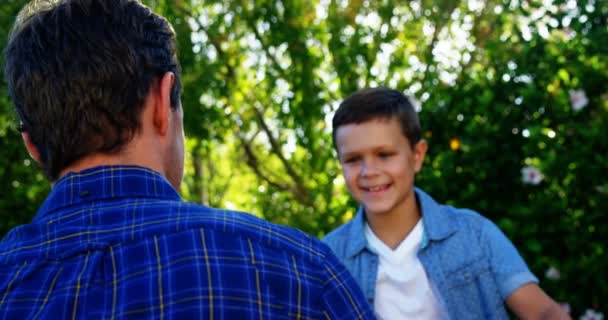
(118, 242)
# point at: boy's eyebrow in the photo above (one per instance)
(343, 154)
(357, 152)
(347, 154)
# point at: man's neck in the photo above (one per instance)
(130, 155)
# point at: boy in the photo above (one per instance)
(415, 258)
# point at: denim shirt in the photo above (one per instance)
(470, 263)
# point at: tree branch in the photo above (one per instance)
(276, 149)
(253, 163)
(297, 189)
(251, 23)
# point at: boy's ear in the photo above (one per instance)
(419, 154)
(31, 148)
(162, 102)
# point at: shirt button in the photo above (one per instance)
(84, 193)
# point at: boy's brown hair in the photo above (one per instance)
(378, 103)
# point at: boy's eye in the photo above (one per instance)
(351, 159)
(385, 154)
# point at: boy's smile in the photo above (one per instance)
(379, 165)
(376, 189)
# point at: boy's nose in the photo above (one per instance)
(369, 168)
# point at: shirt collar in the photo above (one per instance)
(356, 234)
(106, 182)
(436, 221)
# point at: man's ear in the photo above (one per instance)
(31, 148)
(419, 154)
(162, 102)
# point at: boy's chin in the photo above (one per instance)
(376, 210)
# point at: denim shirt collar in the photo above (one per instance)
(356, 234)
(436, 221)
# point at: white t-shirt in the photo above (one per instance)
(403, 290)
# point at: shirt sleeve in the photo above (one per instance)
(341, 297)
(510, 269)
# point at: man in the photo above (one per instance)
(96, 85)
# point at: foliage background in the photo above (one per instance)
(493, 80)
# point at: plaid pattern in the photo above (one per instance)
(118, 242)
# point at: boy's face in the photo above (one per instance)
(379, 165)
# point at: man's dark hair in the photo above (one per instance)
(378, 103)
(78, 72)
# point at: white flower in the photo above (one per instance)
(568, 33)
(531, 175)
(552, 273)
(566, 307)
(578, 99)
(591, 314)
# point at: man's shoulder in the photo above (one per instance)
(240, 225)
(131, 221)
